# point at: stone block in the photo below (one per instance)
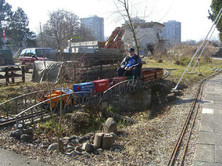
(98, 140)
(87, 147)
(110, 126)
(16, 134)
(108, 141)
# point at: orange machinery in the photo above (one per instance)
(66, 99)
(115, 40)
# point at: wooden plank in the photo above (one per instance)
(2, 67)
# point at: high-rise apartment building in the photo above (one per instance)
(96, 25)
(172, 32)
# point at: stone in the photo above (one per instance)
(108, 141)
(100, 150)
(83, 139)
(88, 147)
(171, 97)
(78, 149)
(16, 134)
(26, 138)
(28, 131)
(110, 126)
(98, 140)
(74, 152)
(73, 138)
(52, 147)
(78, 121)
(66, 138)
(43, 146)
(69, 148)
(103, 105)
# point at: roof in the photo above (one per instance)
(147, 24)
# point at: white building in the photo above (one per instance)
(96, 25)
(172, 32)
(149, 37)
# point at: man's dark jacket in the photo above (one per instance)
(138, 61)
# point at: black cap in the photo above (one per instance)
(131, 50)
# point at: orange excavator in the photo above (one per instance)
(115, 39)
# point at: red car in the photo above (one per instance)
(29, 55)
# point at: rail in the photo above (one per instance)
(45, 109)
(26, 109)
(17, 104)
(187, 128)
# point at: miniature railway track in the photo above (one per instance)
(187, 128)
(30, 107)
(7, 122)
(12, 121)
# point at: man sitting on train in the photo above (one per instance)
(131, 65)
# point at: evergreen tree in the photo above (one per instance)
(5, 14)
(19, 34)
(215, 8)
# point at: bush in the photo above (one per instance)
(183, 60)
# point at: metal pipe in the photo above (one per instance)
(207, 42)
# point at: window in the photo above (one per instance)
(23, 53)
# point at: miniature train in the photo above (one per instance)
(98, 86)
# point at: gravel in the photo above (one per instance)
(148, 142)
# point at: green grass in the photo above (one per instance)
(176, 71)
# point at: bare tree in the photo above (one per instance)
(59, 28)
(124, 10)
(62, 26)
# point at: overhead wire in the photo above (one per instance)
(207, 43)
(195, 54)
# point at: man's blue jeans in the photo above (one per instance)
(134, 72)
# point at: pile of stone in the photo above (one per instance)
(23, 135)
(74, 145)
(90, 143)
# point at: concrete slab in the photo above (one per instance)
(218, 102)
(199, 163)
(206, 138)
(205, 153)
(210, 138)
(218, 154)
(13, 159)
(207, 123)
(213, 105)
(217, 108)
(218, 138)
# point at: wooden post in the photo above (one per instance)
(7, 76)
(75, 74)
(23, 74)
(13, 76)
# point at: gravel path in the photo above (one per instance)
(148, 142)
